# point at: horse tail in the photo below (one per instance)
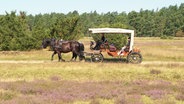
(81, 47)
(81, 50)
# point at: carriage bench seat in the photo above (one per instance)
(112, 48)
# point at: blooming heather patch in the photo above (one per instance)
(63, 91)
(55, 78)
(180, 95)
(155, 94)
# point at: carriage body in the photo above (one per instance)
(132, 54)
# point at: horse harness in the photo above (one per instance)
(58, 43)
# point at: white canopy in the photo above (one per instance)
(110, 30)
(116, 31)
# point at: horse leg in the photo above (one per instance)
(74, 56)
(53, 55)
(60, 57)
(80, 54)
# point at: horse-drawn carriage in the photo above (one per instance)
(133, 54)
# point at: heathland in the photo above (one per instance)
(29, 77)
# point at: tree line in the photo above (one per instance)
(19, 31)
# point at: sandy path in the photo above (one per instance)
(48, 61)
(21, 61)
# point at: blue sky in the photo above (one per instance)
(65, 6)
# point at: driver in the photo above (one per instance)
(103, 39)
(100, 42)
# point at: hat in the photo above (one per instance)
(128, 37)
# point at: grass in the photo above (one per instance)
(103, 92)
(111, 82)
(91, 71)
(152, 49)
(161, 50)
(91, 83)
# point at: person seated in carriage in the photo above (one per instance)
(125, 48)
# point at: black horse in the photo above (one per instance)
(64, 47)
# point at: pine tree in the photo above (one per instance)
(14, 32)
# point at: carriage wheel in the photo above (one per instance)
(97, 58)
(134, 58)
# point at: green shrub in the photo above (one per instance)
(6, 95)
(179, 33)
(119, 40)
(163, 37)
